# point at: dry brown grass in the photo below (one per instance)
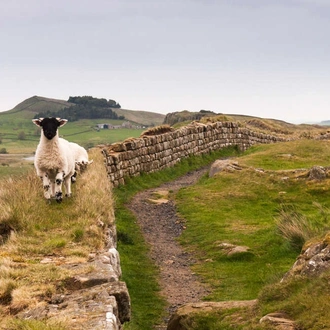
(271, 126)
(157, 130)
(38, 236)
(284, 129)
(214, 119)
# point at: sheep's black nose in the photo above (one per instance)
(49, 135)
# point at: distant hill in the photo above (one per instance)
(257, 124)
(325, 123)
(37, 104)
(185, 116)
(142, 117)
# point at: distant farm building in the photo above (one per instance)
(125, 124)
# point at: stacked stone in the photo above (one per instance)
(153, 153)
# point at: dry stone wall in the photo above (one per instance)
(153, 153)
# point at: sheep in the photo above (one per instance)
(81, 159)
(54, 159)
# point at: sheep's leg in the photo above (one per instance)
(74, 177)
(52, 188)
(46, 184)
(67, 183)
(58, 186)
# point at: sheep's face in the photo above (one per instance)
(49, 126)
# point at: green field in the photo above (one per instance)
(18, 135)
(15, 146)
(22, 136)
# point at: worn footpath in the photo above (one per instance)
(161, 226)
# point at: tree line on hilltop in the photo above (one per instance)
(85, 107)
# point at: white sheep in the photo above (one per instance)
(81, 159)
(80, 153)
(54, 158)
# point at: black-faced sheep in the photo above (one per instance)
(81, 159)
(54, 158)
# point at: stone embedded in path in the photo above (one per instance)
(161, 197)
(317, 173)
(231, 249)
(223, 165)
(279, 321)
(181, 317)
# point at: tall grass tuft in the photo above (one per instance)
(297, 229)
(34, 325)
(18, 200)
(294, 227)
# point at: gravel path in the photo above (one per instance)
(161, 226)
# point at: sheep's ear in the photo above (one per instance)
(37, 121)
(61, 122)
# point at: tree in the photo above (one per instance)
(113, 104)
(86, 107)
(21, 135)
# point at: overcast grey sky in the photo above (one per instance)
(266, 58)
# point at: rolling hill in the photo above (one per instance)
(26, 110)
(35, 104)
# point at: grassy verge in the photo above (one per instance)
(138, 272)
(37, 230)
(14, 165)
(242, 209)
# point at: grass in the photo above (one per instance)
(14, 165)
(236, 208)
(305, 300)
(34, 325)
(139, 272)
(36, 234)
(289, 155)
(242, 208)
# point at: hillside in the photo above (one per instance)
(185, 116)
(142, 117)
(28, 108)
(36, 104)
(261, 125)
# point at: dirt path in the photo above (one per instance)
(161, 226)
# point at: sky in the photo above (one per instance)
(264, 58)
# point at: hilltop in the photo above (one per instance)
(28, 108)
(35, 104)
